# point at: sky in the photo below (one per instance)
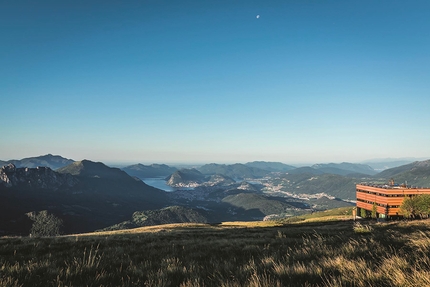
(215, 81)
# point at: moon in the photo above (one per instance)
(258, 16)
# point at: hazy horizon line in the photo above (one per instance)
(122, 163)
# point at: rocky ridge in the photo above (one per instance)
(34, 178)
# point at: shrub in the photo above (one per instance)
(363, 213)
(374, 211)
(416, 206)
(45, 224)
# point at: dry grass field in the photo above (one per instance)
(306, 253)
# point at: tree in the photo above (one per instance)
(45, 224)
(363, 213)
(416, 206)
(423, 205)
(408, 207)
(374, 211)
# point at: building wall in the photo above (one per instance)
(388, 199)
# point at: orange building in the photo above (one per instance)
(387, 198)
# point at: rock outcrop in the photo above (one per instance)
(35, 178)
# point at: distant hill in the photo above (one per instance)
(403, 168)
(185, 177)
(236, 171)
(345, 168)
(343, 172)
(334, 170)
(219, 180)
(49, 160)
(383, 164)
(331, 184)
(361, 176)
(270, 166)
(90, 169)
(149, 171)
(416, 173)
(417, 177)
(98, 177)
(259, 205)
(305, 170)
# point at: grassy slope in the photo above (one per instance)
(170, 214)
(342, 213)
(417, 177)
(330, 253)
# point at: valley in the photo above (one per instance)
(215, 143)
(89, 196)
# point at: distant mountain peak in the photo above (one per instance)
(148, 171)
(417, 172)
(87, 168)
(185, 177)
(48, 160)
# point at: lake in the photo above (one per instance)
(160, 183)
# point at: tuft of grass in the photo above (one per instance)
(359, 228)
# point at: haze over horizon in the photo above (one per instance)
(209, 81)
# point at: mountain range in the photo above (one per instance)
(49, 160)
(416, 174)
(253, 169)
(395, 171)
(387, 163)
(85, 194)
(89, 195)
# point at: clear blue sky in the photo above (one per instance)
(209, 81)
